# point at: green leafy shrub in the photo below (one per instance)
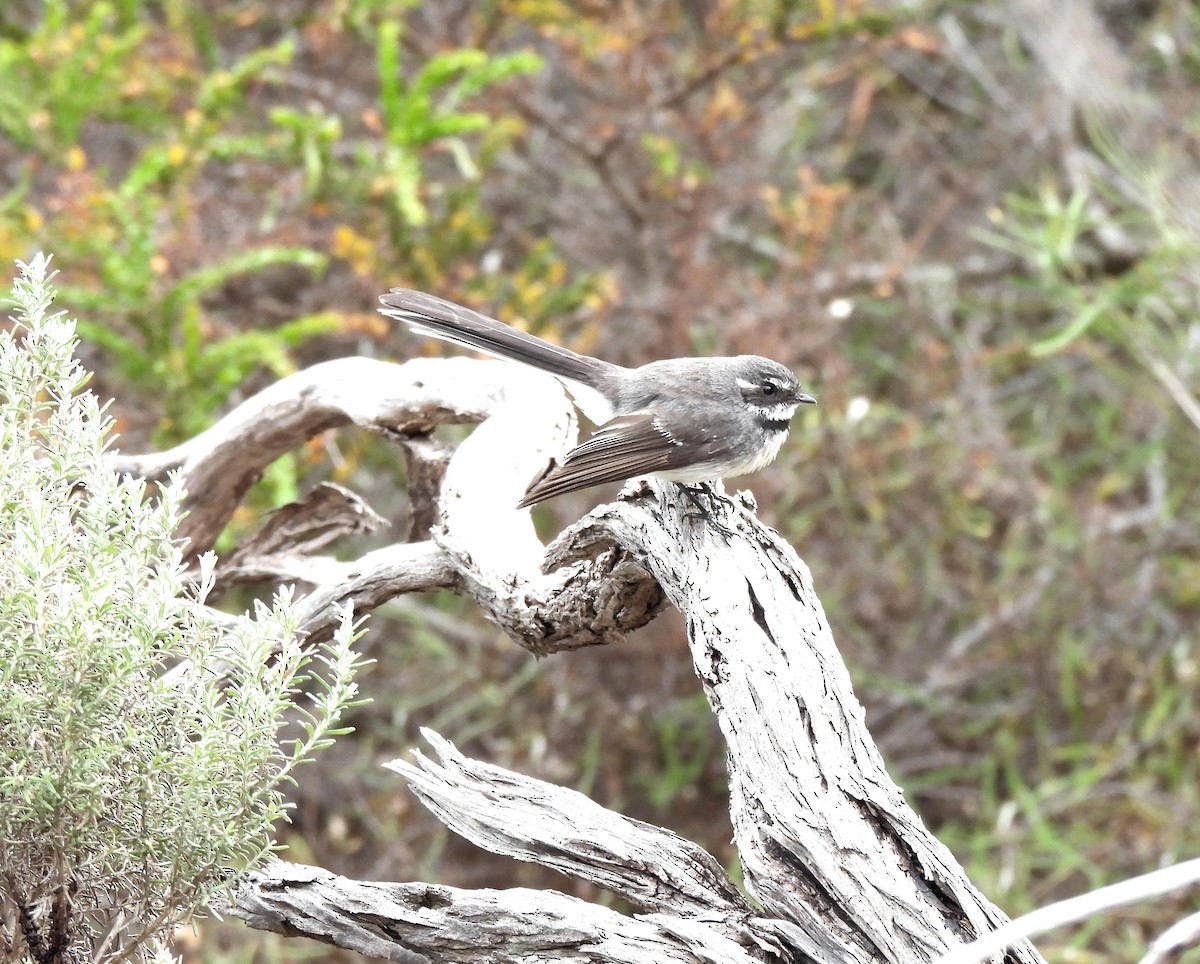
(139, 131)
(70, 58)
(140, 751)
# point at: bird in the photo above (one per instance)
(685, 420)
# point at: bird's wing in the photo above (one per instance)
(625, 447)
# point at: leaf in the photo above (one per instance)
(387, 71)
(405, 177)
(1081, 323)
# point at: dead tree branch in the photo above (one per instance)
(840, 869)
(483, 546)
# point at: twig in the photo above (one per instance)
(1181, 936)
(1074, 909)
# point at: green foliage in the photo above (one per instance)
(68, 69)
(146, 314)
(427, 109)
(1143, 305)
(391, 205)
(156, 332)
(687, 746)
(1085, 756)
(140, 751)
(382, 182)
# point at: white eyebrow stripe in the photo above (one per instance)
(748, 386)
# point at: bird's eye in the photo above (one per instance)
(769, 388)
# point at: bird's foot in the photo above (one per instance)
(709, 505)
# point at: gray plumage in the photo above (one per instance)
(683, 419)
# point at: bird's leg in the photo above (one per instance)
(707, 510)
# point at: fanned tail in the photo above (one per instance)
(437, 318)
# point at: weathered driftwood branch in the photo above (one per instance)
(531, 820)
(840, 867)
(483, 545)
(825, 838)
(398, 401)
(426, 923)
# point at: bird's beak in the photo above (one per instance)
(805, 399)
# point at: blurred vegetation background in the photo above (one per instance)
(969, 226)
